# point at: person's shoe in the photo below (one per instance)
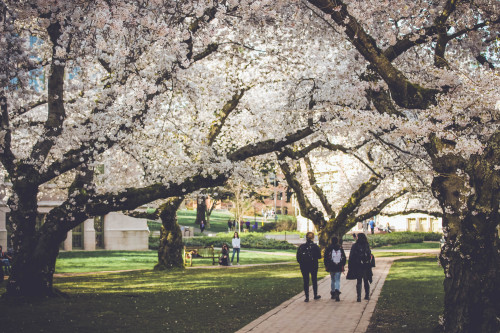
(332, 293)
(306, 300)
(367, 297)
(359, 299)
(317, 297)
(337, 295)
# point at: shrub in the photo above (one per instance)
(394, 238)
(253, 240)
(281, 225)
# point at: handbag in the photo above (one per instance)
(372, 261)
(350, 275)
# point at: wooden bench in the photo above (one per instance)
(194, 252)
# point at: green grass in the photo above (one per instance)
(95, 261)
(412, 246)
(395, 254)
(193, 300)
(218, 220)
(411, 299)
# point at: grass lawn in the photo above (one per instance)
(395, 254)
(192, 300)
(411, 299)
(218, 220)
(85, 261)
(408, 246)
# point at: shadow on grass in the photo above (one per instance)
(194, 300)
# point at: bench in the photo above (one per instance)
(193, 252)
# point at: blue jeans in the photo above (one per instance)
(335, 280)
(236, 250)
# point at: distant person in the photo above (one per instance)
(335, 260)
(202, 225)
(388, 228)
(307, 256)
(234, 225)
(247, 223)
(365, 226)
(224, 257)
(236, 247)
(229, 225)
(5, 259)
(372, 226)
(255, 226)
(359, 265)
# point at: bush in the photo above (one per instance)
(282, 225)
(253, 240)
(394, 238)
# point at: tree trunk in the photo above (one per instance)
(201, 209)
(468, 191)
(170, 249)
(34, 260)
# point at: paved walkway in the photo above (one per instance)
(325, 315)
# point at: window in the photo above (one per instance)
(78, 237)
(99, 232)
(412, 224)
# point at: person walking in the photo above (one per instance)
(372, 226)
(360, 265)
(335, 260)
(308, 255)
(236, 247)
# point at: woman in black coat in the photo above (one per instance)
(359, 265)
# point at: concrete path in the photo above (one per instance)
(325, 315)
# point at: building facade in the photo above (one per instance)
(114, 231)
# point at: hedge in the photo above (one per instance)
(253, 240)
(394, 238)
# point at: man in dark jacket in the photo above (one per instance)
(335, 260)
(307, 256)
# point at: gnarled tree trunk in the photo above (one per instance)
(469, 193)
(170, 249)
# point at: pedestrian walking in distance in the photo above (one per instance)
(308, 255)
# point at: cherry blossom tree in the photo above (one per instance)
(121, 84)
(427, 68)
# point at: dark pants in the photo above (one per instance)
(365, 282)
(314, 277)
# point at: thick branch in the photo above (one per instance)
(318, 190)
(222, 115)
(404, 93)
(55, 92)
(269, 146)
(6, 155)
(307, 210)
(381, 206)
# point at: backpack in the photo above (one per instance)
(365, 255)
(336, 256)
(305, 255)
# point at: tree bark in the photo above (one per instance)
(468, 191)
(201, 209)
(170, 249)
